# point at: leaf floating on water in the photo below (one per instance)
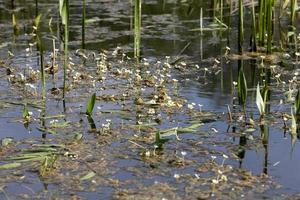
(192, 128)
(10, 165)
(88, 176)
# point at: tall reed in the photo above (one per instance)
(254, 44)
(137, 27)
(41, 54)
(270, 13)
(293, 11)
(266, 21)
(261, 22)
(64, 13)
(241, 27)
(83, 22)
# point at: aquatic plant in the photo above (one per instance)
(297, 103)
(241, 26)
(261, 22)
(64, 14)
(293, 5)
(266, 16)
(159, 141)
(41, 53)
(91, 104)
(25, 113)
(137, 27)
(15, 25)
(260, 102)
(270, 13)
(253, 27)
(83, 23)
(242, 87)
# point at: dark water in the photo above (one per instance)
(166, 31)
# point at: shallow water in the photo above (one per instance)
(166, 32)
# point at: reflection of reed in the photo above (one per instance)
(265, 141)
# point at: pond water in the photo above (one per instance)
(263, 157)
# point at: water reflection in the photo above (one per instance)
(264, 130)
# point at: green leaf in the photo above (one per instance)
(64, 11)
(10, 165)
(259, 101)
(159, 141)
(37, 21)
(285, 4)
(91, 104)
(242, 87)
(88, 176)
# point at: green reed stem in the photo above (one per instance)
(137, 27)
(66, 50)
(221, 10)
(270, 11)
(241, 26)
(83, 22)
(293, 11)
(254, 44)
(261, 22)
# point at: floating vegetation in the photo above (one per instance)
(148, 118)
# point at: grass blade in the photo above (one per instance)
(242, 87)
(10, 166)
(91, 104)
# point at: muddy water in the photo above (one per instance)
(116, 156)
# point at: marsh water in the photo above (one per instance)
(263, 158)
